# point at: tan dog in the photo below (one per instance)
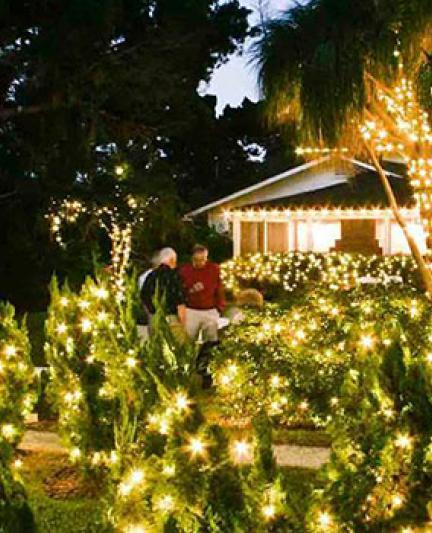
(250, 298)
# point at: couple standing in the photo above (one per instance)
(193, 295)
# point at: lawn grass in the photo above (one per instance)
(84, 513)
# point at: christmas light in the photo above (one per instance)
(242, 450)
(8, 431)
(196, 446)
(75, 454)
(269, 511)
(131, 362)
(10, 350)
(166, 504)
(324, 520)
(403, 441)
(182, 402)
(367, 342)
(86, 325)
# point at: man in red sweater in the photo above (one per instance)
(204, 295)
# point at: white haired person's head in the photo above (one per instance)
(168, 256)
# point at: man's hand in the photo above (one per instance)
(181, 313)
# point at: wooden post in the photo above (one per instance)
(236, 236)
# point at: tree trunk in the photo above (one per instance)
(425, 272)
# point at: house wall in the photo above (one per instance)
(309, 234)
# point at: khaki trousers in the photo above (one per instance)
(205, 320)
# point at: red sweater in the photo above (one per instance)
(203, 286)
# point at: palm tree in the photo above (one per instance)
(333, 65)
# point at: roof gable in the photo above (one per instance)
(299, 180)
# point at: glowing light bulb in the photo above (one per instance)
(137, 476)
(324, 519)
(10, 350)
(119, 170)
(131, 362)
(397, 500)
(182, 402)
(101, 293)
(169, 470)
(102, 316)
(269, 511)
(86, 325)
(367, 342)
(8, 431)
(135, 528)
(75, 453)
(166, 503)
(241, 449)
(275, 381)
(61, 328)
(403, 441)
(196, 446)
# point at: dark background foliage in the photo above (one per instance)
(88, 84)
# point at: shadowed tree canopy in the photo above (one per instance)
(86, 85)
(314, 58)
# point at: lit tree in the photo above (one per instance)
(17, 397)
(320, 64)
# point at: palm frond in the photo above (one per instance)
(312, 60)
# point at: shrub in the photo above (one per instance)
(17, 397)
(278, 274)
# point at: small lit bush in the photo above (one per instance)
(17, 397)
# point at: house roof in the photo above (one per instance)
(318, 193)
(362, 190)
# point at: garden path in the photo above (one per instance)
(286, 454)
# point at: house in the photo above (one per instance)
(324, 205)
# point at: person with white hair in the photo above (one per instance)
(164, 282)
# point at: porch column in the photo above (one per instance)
(309, 234)
(236, 236)
(387, 236)
(292, 237)
(265, 236)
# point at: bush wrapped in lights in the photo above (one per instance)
(290, 362)
(104, 379)
(380, 474)
(95, 360)
(17, 397)
(277, 274)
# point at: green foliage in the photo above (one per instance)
(17, 379)
(279, 274)
(74, 516)
(314, 58)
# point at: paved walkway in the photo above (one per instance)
(286, 454)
